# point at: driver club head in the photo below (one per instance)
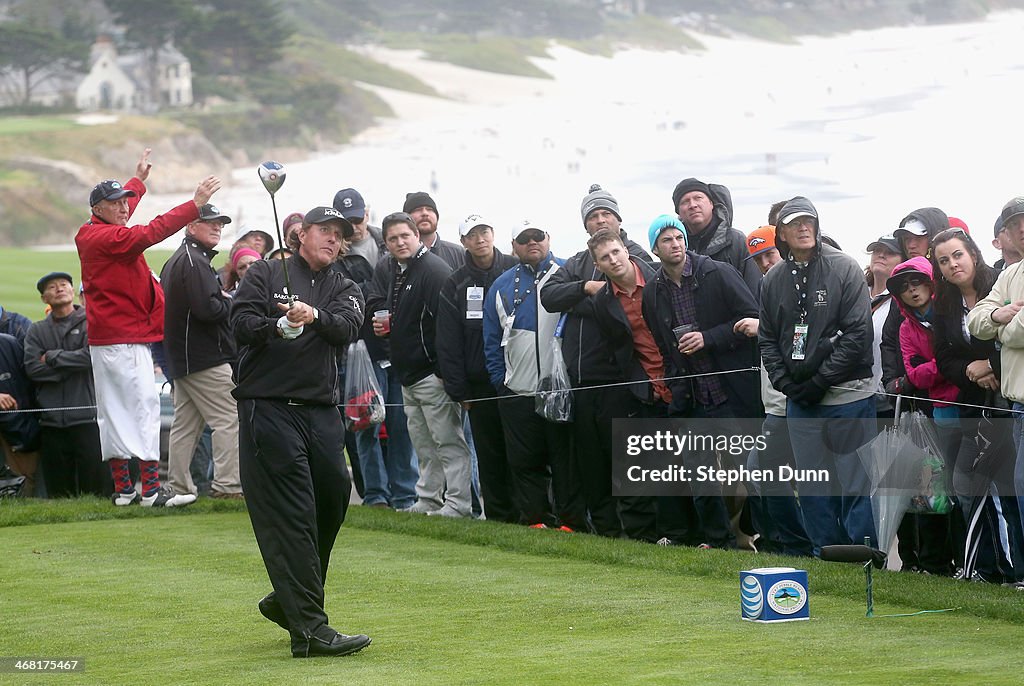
(272, 174)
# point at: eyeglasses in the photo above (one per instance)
(800, 221)
(907, 284)
(535, 235)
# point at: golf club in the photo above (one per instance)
(272, 174)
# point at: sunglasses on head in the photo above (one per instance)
(535, 235)
(912, 282)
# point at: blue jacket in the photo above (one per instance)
(517, 365)
(14, 324)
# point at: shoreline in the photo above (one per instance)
(821, 117)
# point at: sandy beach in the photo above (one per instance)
(869, 125)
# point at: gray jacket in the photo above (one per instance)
(64, 379)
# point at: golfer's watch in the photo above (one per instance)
(316, 315)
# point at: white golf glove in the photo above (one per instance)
(288, 332)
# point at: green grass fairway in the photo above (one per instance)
(169, 597)
(21, 268)
(15, 126)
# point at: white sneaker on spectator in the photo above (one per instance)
(165, 497)
(420, 507)
(448, 511)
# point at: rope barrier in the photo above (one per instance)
(597, 386)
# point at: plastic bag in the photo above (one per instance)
(553, 401)
(933, 496)
(364, 402)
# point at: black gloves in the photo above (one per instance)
(809, 392)
(900, 386)
(917, 360)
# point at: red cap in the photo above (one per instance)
(955, 223)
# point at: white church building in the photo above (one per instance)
(120, 82)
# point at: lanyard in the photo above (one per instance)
(516, 298)
(800, 281)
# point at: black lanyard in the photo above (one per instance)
(516, 299)
(800, 281)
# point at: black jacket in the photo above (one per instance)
(453, 254)
(721, 242)
(614, 326)
(588, 357)
(722, 299)
(65, 378)
(953, 353)
(413, 320)
(837, 302)
(197, 326)
(304, 369)
(357, 268)
(460, 330)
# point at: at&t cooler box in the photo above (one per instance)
(774, 594)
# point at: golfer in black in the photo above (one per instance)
(293, 473)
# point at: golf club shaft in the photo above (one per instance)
(284, 260)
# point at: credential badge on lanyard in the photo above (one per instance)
(799, 341)
(474, 302)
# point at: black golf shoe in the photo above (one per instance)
(327, 642)
(272, 610)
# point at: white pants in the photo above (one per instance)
(127, 401)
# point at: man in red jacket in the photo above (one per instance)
(125, 315)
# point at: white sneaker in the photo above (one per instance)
(123, 499)
(168, 498)
(447, 511)
(420, 507)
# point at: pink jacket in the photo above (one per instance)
(916, 339)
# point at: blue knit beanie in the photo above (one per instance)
(662, 222)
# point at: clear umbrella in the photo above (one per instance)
(894, 465)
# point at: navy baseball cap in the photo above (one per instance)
(108, 190)
(350, 203)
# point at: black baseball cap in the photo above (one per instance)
(325, 215)
(108, 190)
(888, 242)
(209, 213)
(41, 283)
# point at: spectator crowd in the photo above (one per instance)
(696, 319)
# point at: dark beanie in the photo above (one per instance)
(419, 199)
(687, 186)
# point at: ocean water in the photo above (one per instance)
(869, 126)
